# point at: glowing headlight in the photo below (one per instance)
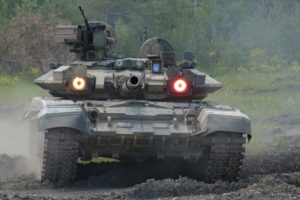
(180, 86)
(79, 83)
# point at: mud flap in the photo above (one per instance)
(56, 113)
(212, 120)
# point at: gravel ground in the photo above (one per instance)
(267, 175)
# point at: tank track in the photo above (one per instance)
(60, 154)
(225, 157)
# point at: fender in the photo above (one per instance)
(211, 120)
(57, 113)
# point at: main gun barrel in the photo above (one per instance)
(131, 84)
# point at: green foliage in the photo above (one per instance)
(222, 34)
(18, 90)
(27, 6)
(8, 80)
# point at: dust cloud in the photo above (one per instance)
(14, 143)
(14, 131)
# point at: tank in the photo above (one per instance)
(132, 110)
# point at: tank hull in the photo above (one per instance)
(137, 130)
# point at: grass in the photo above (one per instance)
(261, 95)
(19, 92)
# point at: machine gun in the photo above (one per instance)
(91, 41)
(87, 31)
(85, 20)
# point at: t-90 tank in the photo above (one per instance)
(132, 110)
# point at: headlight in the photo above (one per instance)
(180, 86)
(79, 84)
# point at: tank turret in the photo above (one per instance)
(153, 76)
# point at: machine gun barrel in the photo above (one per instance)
(85, 19)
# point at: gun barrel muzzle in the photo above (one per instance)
(133, 82)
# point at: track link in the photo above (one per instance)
(60, 154)
(225, 157)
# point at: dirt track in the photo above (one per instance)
(268, 175)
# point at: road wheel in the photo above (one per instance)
(60, 153)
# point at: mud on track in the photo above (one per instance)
(267, 175)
